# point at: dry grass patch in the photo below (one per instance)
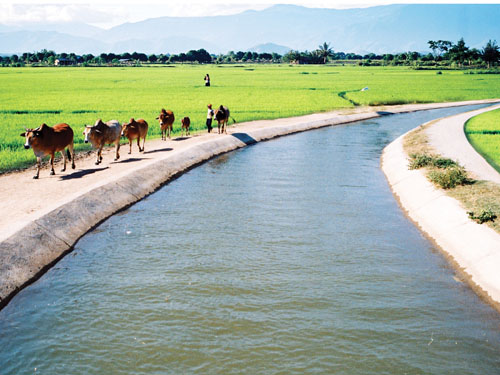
(481, 199)
(416, 142)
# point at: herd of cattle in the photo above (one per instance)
(46, 140)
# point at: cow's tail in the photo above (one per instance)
(69, 154)
(234, 121)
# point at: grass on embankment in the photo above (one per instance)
(481, 198)
(483, 132)
(79, 96)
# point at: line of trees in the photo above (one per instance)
(444, 53)
(201, 56)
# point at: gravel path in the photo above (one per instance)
(447, 136)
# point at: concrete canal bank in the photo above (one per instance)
(473, 248)
(42, 219)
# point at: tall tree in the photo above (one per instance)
(203, 56)
(433, 46)
(324, 51)
(439, 46)
(491, 53)
(459, 52)
(239, 55)
(291, 57)
(87, 57)
(247, 56)
(276, 57)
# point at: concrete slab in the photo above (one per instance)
(473, 248)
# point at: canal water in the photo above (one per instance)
(286, 257)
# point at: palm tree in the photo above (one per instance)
(325, 51)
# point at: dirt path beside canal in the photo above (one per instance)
(40, 220)
(449, 138)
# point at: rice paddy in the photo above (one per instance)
(79, 96)
(483, 132)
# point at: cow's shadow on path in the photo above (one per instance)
(129, 160)
(82, 173)
(159, 150)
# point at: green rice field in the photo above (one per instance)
(79, 96)
(483, 132)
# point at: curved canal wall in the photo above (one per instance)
(31, 242)
(474, 249)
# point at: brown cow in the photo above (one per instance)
(103, 133)
(222, 117)
(135, 129)
(166, 119)
(186, 122)
(45, 140)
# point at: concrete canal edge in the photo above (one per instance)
(31, 251)
(472, 249)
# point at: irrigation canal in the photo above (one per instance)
(287, 257)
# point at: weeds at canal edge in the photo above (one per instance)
(480, 198)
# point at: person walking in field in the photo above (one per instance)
(207, 80)
(210, 115)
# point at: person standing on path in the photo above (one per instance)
(207, 80)
(210, 115)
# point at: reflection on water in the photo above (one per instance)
(288, 257)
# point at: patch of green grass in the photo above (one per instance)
(483, 132)
(450, 177)
(443, 172)
(79, 96)
(423, 160)
(484, 216)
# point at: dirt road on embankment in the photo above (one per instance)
(40, 220)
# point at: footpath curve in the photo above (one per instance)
(473, 248)
(449, 138)
(40, 220)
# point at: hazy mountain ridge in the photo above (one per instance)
(270, 48)
(381, 29)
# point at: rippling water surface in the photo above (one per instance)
(287, 257)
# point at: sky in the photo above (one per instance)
(109, 13)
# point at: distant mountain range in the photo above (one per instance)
(381, 29)
(269, 48)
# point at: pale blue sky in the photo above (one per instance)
(108, 13)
